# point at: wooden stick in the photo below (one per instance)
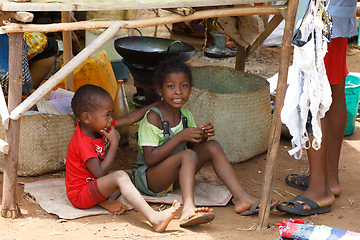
(269, 28)
(56, 27)
(20, 16)
(67, 47)
(74, 5)
(66, 70)
(9, 207)
(276, 122)
(4, 113)
(4, 146)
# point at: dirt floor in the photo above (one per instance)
(35, 223)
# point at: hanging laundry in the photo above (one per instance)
(309, 90)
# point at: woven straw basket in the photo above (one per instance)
(44, 139)
(238, 106)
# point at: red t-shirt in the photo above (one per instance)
(81, 148)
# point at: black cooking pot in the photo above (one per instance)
(151, 50)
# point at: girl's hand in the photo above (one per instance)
(192, 134)
(113, 135)
(208, 130)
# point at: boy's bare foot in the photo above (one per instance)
(113, 206)
(161, 219)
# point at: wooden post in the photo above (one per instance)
(4, 113)
(240, 58)
(67, 48)
(276, 122)
(9, 206)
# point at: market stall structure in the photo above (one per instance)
(11, 114)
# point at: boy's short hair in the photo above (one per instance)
(86, 99)
(168, 66)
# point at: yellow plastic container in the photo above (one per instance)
(97, 71)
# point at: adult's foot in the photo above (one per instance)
(310, 202)
(301, 181)
(162, 219)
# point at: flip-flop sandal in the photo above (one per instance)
(255, 208)
(298, 202)
(299, 181)
(198, 219)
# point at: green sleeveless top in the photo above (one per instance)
(150, 135)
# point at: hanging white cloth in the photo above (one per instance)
(309, 88)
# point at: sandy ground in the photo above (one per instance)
(35, 223)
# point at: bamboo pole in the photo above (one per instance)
(4, 113)
(275, 131)
(66, 70)
(9, 207)
(237, 11)
(67, 47)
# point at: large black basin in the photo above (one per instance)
(151, 50)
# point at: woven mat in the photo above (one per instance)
(51, 196)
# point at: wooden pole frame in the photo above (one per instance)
(9, 206)
(275, 131)
(236, 11)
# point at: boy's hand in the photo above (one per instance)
(208, 130)
(191, 134)
(113, 135)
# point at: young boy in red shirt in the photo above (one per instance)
(88, 179)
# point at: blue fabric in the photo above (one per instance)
(343, 13)
(4, 65)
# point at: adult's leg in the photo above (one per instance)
(337, 117)
(120, 180)
(319, 189)
(212, 151)
(40, 68)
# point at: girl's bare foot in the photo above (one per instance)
(113, 206)
(194, 212)
(244, 204)
(161, 219)
(196, 216)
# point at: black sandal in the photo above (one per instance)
(298, 181)
(298, 202)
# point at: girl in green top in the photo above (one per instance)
(173, 151)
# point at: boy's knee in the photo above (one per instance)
(121, 175)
